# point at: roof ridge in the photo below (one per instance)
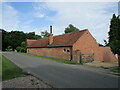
(72, 32)
(60, 40)
(64, 34)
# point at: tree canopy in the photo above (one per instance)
(70, 29)
(4, 43)
(45, 34)
(114, 34)
(13, 39)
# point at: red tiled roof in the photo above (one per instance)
(60, 40)
(30, 41)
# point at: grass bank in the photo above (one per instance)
(54, 59)
(10, 70)
(116, 70)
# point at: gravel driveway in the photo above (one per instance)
(25, 82)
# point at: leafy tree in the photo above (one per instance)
(71, 28)
(114, 33)
(19, 49)
(37, 37)
(30, 35)
(113, 28)
(15, 38)
(114, 38)
(4, 43)
(45, 34)
(24, 46)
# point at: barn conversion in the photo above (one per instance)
(77, 46)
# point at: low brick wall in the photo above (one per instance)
(107, 54)
(60, 52)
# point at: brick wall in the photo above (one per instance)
(107, 54)
(61, 52)
(87, 44)
(76, 56)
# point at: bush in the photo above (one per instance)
(9, 48)
(19, 49)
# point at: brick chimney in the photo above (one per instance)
(50, 36)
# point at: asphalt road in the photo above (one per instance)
(61, 75)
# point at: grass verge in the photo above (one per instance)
(10, 70)
(54, 59)
(116, 70)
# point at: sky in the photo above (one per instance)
(38, 16)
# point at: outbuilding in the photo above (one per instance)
(76, 46)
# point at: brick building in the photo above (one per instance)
(77, 46)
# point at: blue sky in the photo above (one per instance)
(38, 16)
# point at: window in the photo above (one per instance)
(64, 50)
(68, 50)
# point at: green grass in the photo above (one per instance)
(54, 59)
(116, 70)
(10, 70)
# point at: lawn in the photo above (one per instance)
(10, 70)
(54, 59)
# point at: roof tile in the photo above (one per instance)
(60, 40)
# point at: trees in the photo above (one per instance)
(44, 34)
(4, 43)
(114, 35)
(22, 48)
(71, 28)
(13, 39)
(19, 49)
(31, 35)
(36, 37)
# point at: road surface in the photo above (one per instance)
(61, 75)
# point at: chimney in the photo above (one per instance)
(50, 29)
(50, 36)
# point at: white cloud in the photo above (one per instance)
(93, 16)
(40, 10)
(40, 15)
(10, 19)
